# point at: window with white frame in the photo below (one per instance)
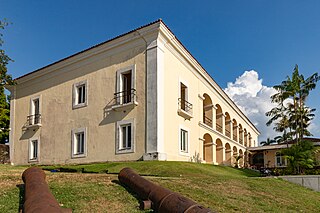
(80, 94)
(183, 140)
(125, 85)
(125, 139)
(280, 159)
(35, 114)
(79, 142)
(125, 136)
(34, 150)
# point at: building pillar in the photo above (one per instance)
(201, 111)
(223, 155)
(231, 129)
(214, 117)
(246, 140)
(155, 101)
(223, 125)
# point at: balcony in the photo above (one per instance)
(125, 100)
(235, 136)
(33, 121)
(228, 134)
(207, 120)
(241, 141)
(218, 127)
(185, 109)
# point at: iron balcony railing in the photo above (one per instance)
(235, 137)
(207, 120)
(34, 119)
(241, 141)
(219, 127)
(185, 105)
(125, 97)
(228, 133)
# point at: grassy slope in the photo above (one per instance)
(221, 188)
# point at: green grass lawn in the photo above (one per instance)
(220, 188)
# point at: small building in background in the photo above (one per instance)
(270, 156)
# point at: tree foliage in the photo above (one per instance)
(5, 79)
(292, 118)
(300, 157)
(268, 142)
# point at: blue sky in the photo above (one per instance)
(226, 37)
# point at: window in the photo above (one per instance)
(280, 160)
(81, 90)
(184, 108)
(183, 96)
(125, 85)
(125, 136)
(79, 146)
(79, 142)
(35, 115)
(34, 150)
(80, 95)
(183, 140)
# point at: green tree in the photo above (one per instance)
(294, 116)
(5, 79)
(300, 157)
(267, 142)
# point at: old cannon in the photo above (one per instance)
(38, 197)
(160, 199)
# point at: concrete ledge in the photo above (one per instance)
(308, 181)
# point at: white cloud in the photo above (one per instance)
(253, 98)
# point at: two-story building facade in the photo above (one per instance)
(141, 95)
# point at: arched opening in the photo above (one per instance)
(207, 148)
(228, 154)
(219, 151)
(245, 137)
(250, 140)
(240, 134)
(228, 125)
(241, 160)
(258, 160)
(235, 130)
(207, 110)
(219, 119)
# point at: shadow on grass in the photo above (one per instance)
(21, 196)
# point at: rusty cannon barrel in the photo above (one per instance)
(162, 200)
(38, 197)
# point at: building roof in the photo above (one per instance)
(284, 145)
(134, 30)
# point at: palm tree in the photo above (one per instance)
(267, 142)
(294, 116)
